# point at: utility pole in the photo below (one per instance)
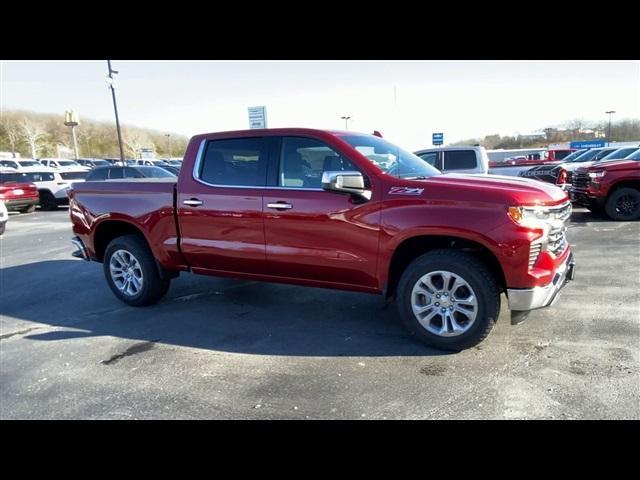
(346, 122)
(112, 86)
(71, 120)
(610, 112)
(168, 135)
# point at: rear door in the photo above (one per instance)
(220, 206)
(313, 235)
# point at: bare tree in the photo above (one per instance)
(11, 131)
(135, 140)
(34, 133)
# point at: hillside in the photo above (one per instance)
(40, 135)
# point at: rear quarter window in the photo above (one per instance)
(459, 159)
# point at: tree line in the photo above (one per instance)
(41, 135)
(574, 130)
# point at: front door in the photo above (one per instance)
(311, 234)
(220, 207)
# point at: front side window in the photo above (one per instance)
(303, 160)
(234, 162)
(130, 172)
(73, 175)
(98, 174)
(389, 158)
(603, 153)
(619, 154)
(459, 159)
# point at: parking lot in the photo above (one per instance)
(229, 349)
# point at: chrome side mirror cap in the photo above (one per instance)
(350, 182)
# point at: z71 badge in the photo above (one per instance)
(405, 191)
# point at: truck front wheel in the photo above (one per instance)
(448, 299)
(132, 273)
(623, 204)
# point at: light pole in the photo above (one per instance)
(168, 135)
(610, 112)
(112, 86)
(346, 122)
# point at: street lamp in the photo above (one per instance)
(610, 112)
(346, 122)
(168, 135)
(112, 86)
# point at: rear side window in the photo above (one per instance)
(234, 162)
(116, 173)
(132, 173)
(98, 174)
(459, 159)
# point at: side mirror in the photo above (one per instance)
(345, 182)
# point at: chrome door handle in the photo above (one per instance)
(280, 206)
(193, 202)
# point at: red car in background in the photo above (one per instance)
(17, 196)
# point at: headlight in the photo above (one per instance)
(597, 174)
(531, 217)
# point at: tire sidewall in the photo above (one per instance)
(487, 295)
(148, 268)
(610, 207)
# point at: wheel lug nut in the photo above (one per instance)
(437, 304)
(450, 308)
(444, 310)
(438, 296)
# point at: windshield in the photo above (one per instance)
(586, 156)
(156, 172)
(634, 156)
(618, 154)
(9, 163)
(68, 163)
(25, 163)
(100, 163)
(573, 155)
(389, 158)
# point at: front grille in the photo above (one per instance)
(558, 240)
(534, 251)
(580, 181)
(569, 177)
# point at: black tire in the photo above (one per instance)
(593, 207)
(153, 286)
(29, 209)
(3, 226)
(623, 204)
(48, 201)
(472, 271)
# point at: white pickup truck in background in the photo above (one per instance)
(456, 159)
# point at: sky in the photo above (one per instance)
(405, 100)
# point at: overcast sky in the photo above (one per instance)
(463, 99)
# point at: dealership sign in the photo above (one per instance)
(437, 139)
(257, 117)
(588, 144)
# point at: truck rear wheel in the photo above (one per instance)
(132, 273)
(623, 204)
(448, 299)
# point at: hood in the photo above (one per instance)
(521, 190)
(572, 167)
(617, 165)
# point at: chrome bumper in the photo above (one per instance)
(540, 297)
(82, 250)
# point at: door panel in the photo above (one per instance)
(323, 236)
(221, 223)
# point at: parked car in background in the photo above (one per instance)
(29, 163)
(61, 163)
(93, 162)
(550, 172)
(4, 217)
(151, 162)
(9, 163)
(174, 162)
(118, 172)
(52, 184)
(16, 193)
(612, 186)
(456, 159)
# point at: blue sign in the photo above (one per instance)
(437, 139)
(588, 144)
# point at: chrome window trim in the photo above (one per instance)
(196, 168)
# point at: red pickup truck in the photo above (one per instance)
(338, 210)
(610, 186)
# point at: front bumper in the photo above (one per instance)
(82, 250)
(525, 299)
